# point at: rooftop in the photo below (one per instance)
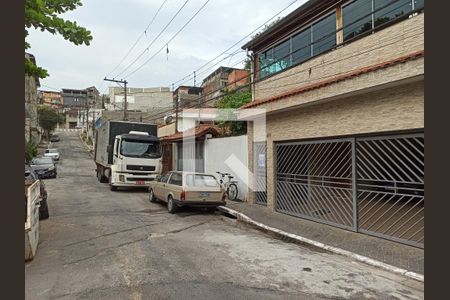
(309, 10)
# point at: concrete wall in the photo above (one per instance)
(218, 150)
(143, 99)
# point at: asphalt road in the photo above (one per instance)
(99, 244)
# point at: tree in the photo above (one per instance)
(48, 118)
(30, 151)
(233, 100)
(43, 15)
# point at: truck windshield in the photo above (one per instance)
(140, 149)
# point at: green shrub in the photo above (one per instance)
(30, 151)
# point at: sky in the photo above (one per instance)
(116, 25)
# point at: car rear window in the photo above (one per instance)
(195, 180)
(42, 161)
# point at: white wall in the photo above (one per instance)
(218, 150)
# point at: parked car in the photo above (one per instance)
(187, 189)
(31, 176)
(54, 138)
(52, 152)
(44, 167)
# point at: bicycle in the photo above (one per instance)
(231, 188)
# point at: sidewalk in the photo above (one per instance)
(395, 254)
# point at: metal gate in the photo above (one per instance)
(314, 181)
(373, 185)
(390, 182)
(260, 160)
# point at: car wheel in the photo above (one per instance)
(171, 206)
(151, 196)
(43, 210)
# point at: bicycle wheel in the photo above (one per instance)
(232, 191)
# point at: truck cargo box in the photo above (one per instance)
(108, 131)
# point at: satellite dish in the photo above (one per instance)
(168, 120)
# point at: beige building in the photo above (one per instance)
(342, 83)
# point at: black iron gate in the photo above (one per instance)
(374, 185)
(259, 162)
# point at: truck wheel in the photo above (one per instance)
(171, 207)
(101, 178)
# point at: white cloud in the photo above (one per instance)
(116, 24)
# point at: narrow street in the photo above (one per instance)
(99, 244)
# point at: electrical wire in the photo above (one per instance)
(282, 77)
(173, 37)
(238, 42)
(154, 40)
(138, 39)
(333, 33)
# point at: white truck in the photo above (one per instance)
(127, 154)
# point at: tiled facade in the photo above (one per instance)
(371, 85)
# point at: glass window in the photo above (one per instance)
(356, 18)
(301, 46)
(42, 161)
(165, 177)
(324, 34)
(140, 149)
(197, 180)
(176, 179)
(265, 59)
(386, 10)
(281, 56)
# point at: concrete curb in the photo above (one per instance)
(242, 217)
(86, 147)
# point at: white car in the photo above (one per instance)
(53, 153)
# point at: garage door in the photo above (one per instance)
(373, 185)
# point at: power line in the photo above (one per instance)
(47, 86)
(154, 40)
(308, 45)
(282, 77)
(173, 37)
(207, 63)
(139, 38)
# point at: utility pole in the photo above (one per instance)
(86, 107)
(176, 112)
(125, 116)
(195, 79)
